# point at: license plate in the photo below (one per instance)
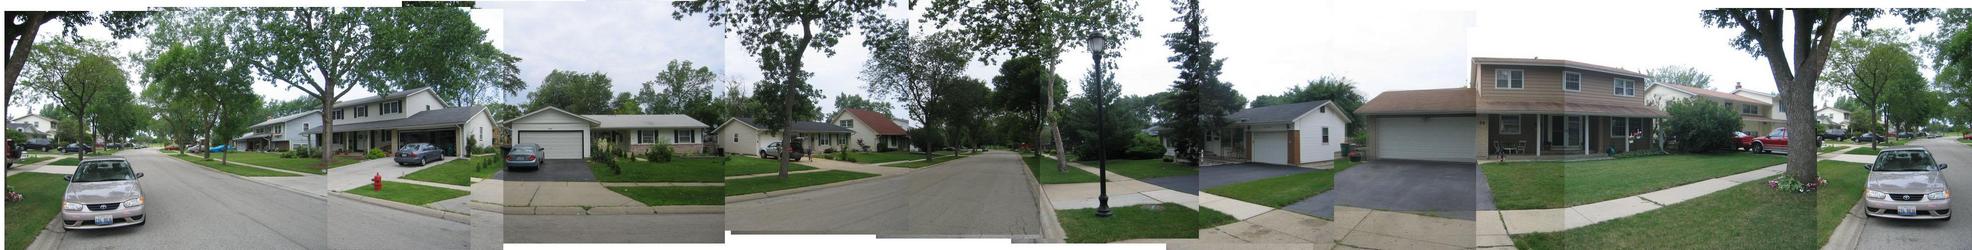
(1907, 210)
(103, 220)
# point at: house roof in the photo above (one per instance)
(433, 118)
(1832, 109)
(1711, 93)
(800, 126)
(30, 115)
(877, 121)
(1756, 92)
(283, 119)
(1556, 63)
(592, 121)
(646, 121)
(393, 95)
(1276, 113)
(1420, 102)
(23, 127)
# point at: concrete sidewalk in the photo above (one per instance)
(1263, 225)
(1359, 228)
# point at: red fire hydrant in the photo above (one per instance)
(376, 183)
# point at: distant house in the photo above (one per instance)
(1757, 112)
(871, 129)
(744, 136)
(1832, 117)
(281, 133)
(1285, 134)
(405, 117)
(571, 136)
(40, 124)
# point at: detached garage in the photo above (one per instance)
(565, 135)
(1425, 125)
(1285, 134)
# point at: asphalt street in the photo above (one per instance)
(1880, 233)
(639, 228)
(190, 207)
(358, 225)
(986, 195)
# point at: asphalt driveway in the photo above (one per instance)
(1221, 175)
(553, 170)
(1443, 189)
(1183, 183)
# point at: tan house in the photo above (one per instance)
(869, 129)
(1757, 114)
(1515, 106)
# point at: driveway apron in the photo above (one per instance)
(1183, 183)
(555, 170)
(1443, 189)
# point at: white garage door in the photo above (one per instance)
(1432, 139)
(560, 144)
(1270, 147)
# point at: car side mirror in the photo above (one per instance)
(1942, 166)
(140, 175)
(1868, 167)
(69, 178)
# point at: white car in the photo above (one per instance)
(769, 152)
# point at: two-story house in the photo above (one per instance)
(1832, 117)
(405, 117)
(870, 129)
(281, 133)
(41, 125)
(1772, 117)
(1514, 106)
(1755, 115)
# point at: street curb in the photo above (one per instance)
(416, 209)
(1849, 233)
(665, 184)
(50, 237)
(778, 193)
(1051, 231)
(613, 210)
(279, 186)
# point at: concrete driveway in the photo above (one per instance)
(1880, 233)
(359, 174)
(552, 170)
(1444, 189)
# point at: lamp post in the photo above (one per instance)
(1097, 45)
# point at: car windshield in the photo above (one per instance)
(104, 171)
(1904, 160)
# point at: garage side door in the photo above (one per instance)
(1431, 139)
(560, 144)
(1270, 147)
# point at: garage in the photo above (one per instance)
(560, 144)
(1270, 147)
(1439, 138)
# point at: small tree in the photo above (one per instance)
(661, 152)
(1700, 125)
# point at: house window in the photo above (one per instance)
(1777, 105)
(1619, 126)
(1324, 134)
(391, 107)
(1571, 81)
(338, 114)
(1508, 79)
(684, 136)
(735, 137)
(363, 110)
(1510, 125)
(1636, 124)
(1625, 87)
(646, 136)
(846, 123)
(1749, 109)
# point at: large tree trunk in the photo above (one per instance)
(21, 45)
(328, 123)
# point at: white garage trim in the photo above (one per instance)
(1425, 138)
(560, 144)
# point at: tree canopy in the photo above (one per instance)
(579, 93)
(1678, 74)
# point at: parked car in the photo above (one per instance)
(1906, 135)
(42, 144)
(768, 152)
(526, 156)
(1835, 134)
(1870, 137)
(103, 193)
(420, 153)
(77, 147)
(1742, 140)
(220, 148)
(1774, 140)
(1907, 183)
(1967, 136)
(170, 147)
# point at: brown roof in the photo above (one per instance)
(1420, 102)
(1714, 94)
(1575, 107)
(1555, 62)
(877, 121)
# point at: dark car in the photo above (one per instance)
(420, 153)
(1906, 134)
(77, 147)
(1835, 134)
(42, 144)
(1871, 137)
(526, 156)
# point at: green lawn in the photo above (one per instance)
(232, 169)
(1162, 221)
(1146, 169)
(881, 157)
(71, 161)
(1280, 191)
(1864, 150)
(1208, 218)
(1045, 172)
(681, 169)
(41, 199)
(772, 183)
(921, 164)
(274, 160)
(1747, 216)
(407, 193)
(741, 165)
(665, 196)
(32, 160)
(1826, 149)
(1531, 185)
(459, 172)
(1844, 189)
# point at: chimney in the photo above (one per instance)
(1735, 86)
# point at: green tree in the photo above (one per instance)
(415, 37)
(958, 99)
(24, 28)
(205, 77)
(1201, 102)
(625, 104)
(1813, 30)
(1886, 69)
(1085, 133)
(1914, 106)
(1700, 125)
(1337, 89)
(682, 88)
(1678, 74)
(848, 101)
(780, 33)
(910, 68)
(580, 93)
(1016, 93)
(293, 106)
(83, 85)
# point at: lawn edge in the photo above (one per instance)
(415, 209)
(783, 192)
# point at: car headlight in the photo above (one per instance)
(138, 202)
(71, 206)
(1939, 195)
(1873, 194)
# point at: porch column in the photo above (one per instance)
(1585, 134)
(1540, 130)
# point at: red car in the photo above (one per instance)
(1742, 140)
(1968, 136)
(1775, 140)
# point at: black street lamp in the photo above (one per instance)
(1097, 45)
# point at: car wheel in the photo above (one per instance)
(422, 161)
(1757, 148)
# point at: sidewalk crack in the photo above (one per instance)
(1659, 204)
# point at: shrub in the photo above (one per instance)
(1145, 146)
(303, 152)
(662, 152)
(1700, 125)
(376, 153)
(883, 146)
(605, 153)
(844, 156)
(472, 145)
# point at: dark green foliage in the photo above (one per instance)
(1145, 146)
(1700, 125)
(579, 93)
(1337, 89)
(1201, 102)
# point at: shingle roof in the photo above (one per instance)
(1421, 102)
(877, 122)
(436, 117)
(24, 127)
(804, 126)
(1713, 94)
(393, 95)
(1275, 113)
(278, 120)
(646, 121)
